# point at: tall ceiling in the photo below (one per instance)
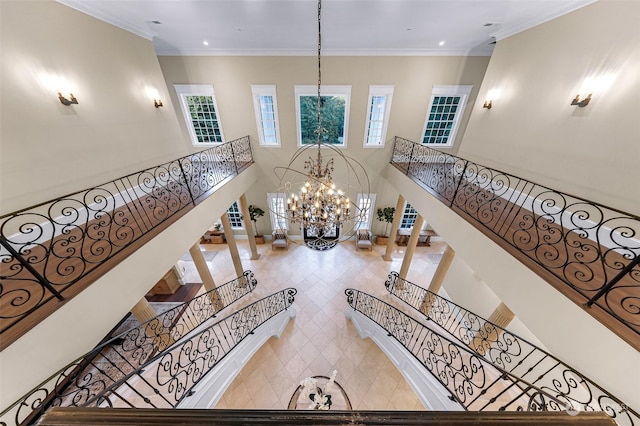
(349, 27)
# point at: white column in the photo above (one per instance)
(231, 242)
(244, 208)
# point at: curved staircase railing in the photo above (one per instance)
(128, 351)
(166, 379)
(52, 251)
(511, 352)
(473, 382)
(589, 252)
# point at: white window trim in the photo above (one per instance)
(372, 197)
(386, 91)
(307, 90)
(277, 222)
(233, 213)
(269, 90)
(183, 90)
(464, 91)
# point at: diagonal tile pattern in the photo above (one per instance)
(320, 338)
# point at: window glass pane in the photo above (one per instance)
(442, 116)
(332, 115)
(235, 218)
(408, 217)
(204, 118)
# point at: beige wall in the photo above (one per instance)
(48, 149)
(413, 78)
(533, 132)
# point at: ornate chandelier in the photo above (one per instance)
(324, 212)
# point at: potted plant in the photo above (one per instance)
(384, 214)
(254, 213)
(217, 236)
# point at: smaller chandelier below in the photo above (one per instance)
(319, 207)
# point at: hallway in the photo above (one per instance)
(320, 339)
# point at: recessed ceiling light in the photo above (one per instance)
(206, 43)
(156, 22)
(441, 43)
(408, 29)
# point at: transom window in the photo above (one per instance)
(266, 107)
(444, 114)
(409, 216)
(377, 115)
(235, 217)
(334, 114)
(198, 105)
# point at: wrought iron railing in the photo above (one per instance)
(113, 359)
(472, 381)
(51, 251)
(591, 248)
(166, 379)
(511, 352)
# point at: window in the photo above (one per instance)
(365, 203)
(266, 108)
(235, 218)
(198, 105)
(444, 114)
(409, 216)
(334, 114)
(277, 210)
(377, 115)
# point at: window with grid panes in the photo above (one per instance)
(266, 109)
(409, 216)
(444, 114)
(198, 106)
(378, 115)
(235, 217)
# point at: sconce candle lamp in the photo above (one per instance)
(157, 103)
(487, 104)
(581, 103)
(72, 99)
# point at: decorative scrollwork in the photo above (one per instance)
(509, 352)
(60, 242)
(90, 375)
(170, 375)
(474, 382)
(583, 244)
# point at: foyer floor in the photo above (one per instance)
(320, 338)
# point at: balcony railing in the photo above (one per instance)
(52, 251)
(589, 252)
(472, 381)
(511, 352)
(110, 361)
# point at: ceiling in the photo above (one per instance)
(349, 27)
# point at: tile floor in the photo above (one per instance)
(320, 338)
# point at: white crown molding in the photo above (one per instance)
(551, 14)
(326, 52)
(85, 7)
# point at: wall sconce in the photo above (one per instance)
(581, 103)
(154, 95)
(487, 104)
(72, 99)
